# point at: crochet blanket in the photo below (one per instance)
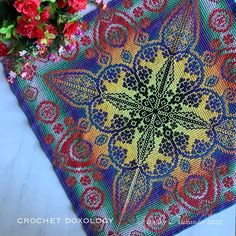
(139, 120)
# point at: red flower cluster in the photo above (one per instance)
(71, 29)
(28, 8)
(3, 49)
(34, 22)
(77, 5)
(42, 22)
(28, 27)
(73, 5)
(45, 14)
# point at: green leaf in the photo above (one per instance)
(14, 33)
(53, 7)
(75, 17)
(5, 23)
(10, 27)
(50, 36)
(61, 19)
(3, 30)
(8, 35)
(44, 41)
(11, 50)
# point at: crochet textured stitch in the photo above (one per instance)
(140, 120)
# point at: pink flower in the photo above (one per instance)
(12, 75)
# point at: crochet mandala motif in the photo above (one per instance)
(140, 121)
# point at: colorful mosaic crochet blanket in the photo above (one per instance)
(140, 120)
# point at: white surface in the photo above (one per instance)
(28, 185)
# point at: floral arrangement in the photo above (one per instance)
(34, 27)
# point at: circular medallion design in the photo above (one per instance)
(155, 5)
(116, 35)
(113, 29)
(73, 153)
(156, 221)
(220, 20)
(92, 198)
(81, 150)
(47, 112)
(199, 193)
(196, 187)
(155, 114)
(30, 93)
